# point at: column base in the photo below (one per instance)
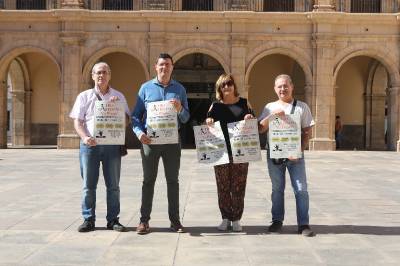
(398, 146)
(322, 144)
(68, 141)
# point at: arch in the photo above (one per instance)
(178, 55)
(290, 50)
(379, 55)
(108, 50)
(15, 52)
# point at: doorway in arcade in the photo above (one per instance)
(197, 73)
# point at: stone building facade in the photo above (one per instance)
(343, 57)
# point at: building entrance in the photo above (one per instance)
(197, 73)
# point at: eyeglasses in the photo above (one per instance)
(228, 83)
(101, 72)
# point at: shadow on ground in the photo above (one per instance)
(287, 230)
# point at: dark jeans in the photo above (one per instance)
(90, 158)
(171, 156)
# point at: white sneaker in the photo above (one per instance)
(236, 227)
(224, 225)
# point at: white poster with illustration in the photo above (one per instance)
(210, 144)
(162, 123)
(245, 141)
(285, 136)
(109, 123)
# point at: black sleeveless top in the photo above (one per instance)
(228, 113)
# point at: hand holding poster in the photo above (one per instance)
(109, 123)
(162, 123)
(210, 144)
(285, 136)
(245, 142)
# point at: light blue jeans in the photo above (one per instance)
(90, 158)
(297, 173)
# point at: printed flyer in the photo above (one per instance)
(245, 141)
(109, 123)
(210, 144)
(285, 136)
(162, 123)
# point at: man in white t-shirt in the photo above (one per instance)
(296, 166)
(91, 154)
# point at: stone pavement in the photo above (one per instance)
(354, 208)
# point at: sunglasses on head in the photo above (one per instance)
(229, 83)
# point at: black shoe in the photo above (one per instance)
(177, 227)
(116, 226)
(275, 227)
(305, 230)
(87, 226)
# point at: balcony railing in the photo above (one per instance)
(354, 6)
(365, 6)
(279, 5)
(196, 5)
(117, 5)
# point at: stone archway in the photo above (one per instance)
(360, 94)
(197, 72)
(30, 99)
(127, 74)
(382, 105)
(261, 74)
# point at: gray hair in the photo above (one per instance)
(101, 64)
(284, 76)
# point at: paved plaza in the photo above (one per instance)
(354, 209)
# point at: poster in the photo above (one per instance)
(285, 136)
(162, 123)
(210, 144)
(245, 141)
(109, 123)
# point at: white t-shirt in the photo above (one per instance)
(83, 108)
(301, 108)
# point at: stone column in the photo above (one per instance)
(28, 116)
(71, 78)
(375, 123)
(96, 5)
(388, 6)
(308, 93)
(175, 5)
(3, 114)
(324, 112)
(18, 117)
(393, 131)
(157, 43)
(10, 4)
(299, 6)
(219, 5)
(72, 4)
(238, 62)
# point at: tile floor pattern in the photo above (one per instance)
(354, 208)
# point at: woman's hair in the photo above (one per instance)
(222, 80)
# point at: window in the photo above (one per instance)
(31, 4)
(197, 5)
(279, 5)
(117, 4)
(365, 6)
